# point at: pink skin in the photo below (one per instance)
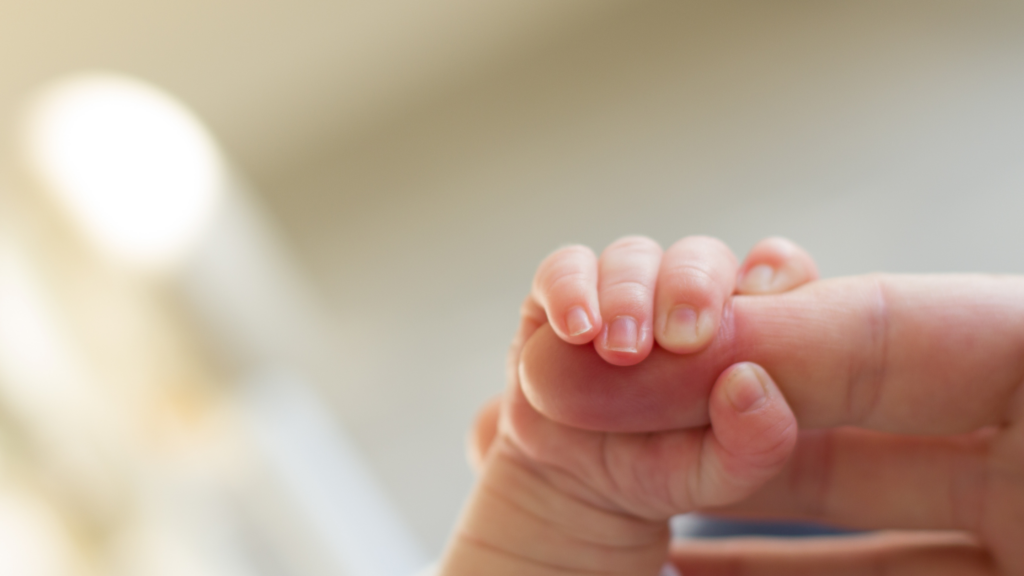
(635, 279)
(916, 385)
(627, 273)
(557, 500)
(884, 344)
(775, 265)
(748, 441)
(613, 491)
(910, 391)
(635, 295)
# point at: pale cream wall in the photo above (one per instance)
(880, 135)
(275, 80)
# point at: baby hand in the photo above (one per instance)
(636, 295)
(556, 499)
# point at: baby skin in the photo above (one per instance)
(567, 495)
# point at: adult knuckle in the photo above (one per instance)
(866, 383)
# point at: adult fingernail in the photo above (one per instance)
(758, 279)
(685, 328)
(577, 321)
(623, 335)
(745, 388)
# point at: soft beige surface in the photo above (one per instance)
(881, 136)
(423, 157)
(276, 80)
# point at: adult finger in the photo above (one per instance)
(696, 276)
(775, 265)
(565, 287)
(871, 480)
(886, 553)
(628, 270)
(902, 354)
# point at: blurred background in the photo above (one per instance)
(260, 261)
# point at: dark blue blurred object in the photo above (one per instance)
(709, 527)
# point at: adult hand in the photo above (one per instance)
(915, 386)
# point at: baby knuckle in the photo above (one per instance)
(633, 244)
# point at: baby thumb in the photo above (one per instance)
(753, 432)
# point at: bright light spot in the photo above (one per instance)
(135, 168)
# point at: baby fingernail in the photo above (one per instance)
(758, 279)
(577, 321)
(623, 335)
(745, 389)
(685, 328)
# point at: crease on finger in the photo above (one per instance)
(866, 384)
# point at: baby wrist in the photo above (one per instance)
(518, 522)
